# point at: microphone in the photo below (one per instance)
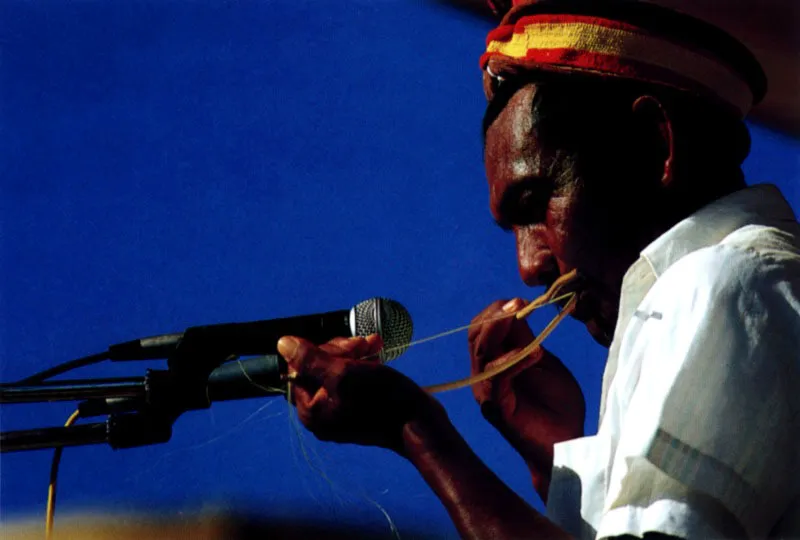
(258, 376)
(385, 317)
(142, 410)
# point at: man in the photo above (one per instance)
(613, 145)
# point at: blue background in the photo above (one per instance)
(168, 164)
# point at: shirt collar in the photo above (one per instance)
(762, 204)
(757, 205)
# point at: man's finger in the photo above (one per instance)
(488, 317)
(520, 366)
(300, 396)
(490, 311)
(512, 306)
(357, 348)
(498, 313)
(519, 335)
(487, 339)
(372, 346)
(308, 407)
(301, 355)
(342, 346)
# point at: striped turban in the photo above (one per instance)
(625, 39)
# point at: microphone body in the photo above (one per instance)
(387, 318)
(242, 379)
(242, 339)
(261, 337)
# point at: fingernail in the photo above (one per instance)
(510, 306)
(287, 346)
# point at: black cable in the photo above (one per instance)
(63, 368)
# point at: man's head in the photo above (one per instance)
(586, 173)
(586, 170)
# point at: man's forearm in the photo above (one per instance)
(539, 461)
(479, 503)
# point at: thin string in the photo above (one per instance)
(549, 297)
(320, 470)
(267, 389)
(546, 298)
(524, 353)
(472, 325)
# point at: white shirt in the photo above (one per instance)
(699, 431)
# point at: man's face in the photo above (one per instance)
(556, 196)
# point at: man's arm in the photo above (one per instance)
(342, 399)
(535, 404)
(479, 503)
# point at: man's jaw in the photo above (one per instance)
(588, 310)
(598, 333)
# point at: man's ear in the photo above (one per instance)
(657, 129)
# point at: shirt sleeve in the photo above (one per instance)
(709, 423)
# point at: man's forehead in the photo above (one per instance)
(512, 130)
(511, 147)
(510, 90)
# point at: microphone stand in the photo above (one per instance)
(135, 417)
(141, 410)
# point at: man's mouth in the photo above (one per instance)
(585, 304)
(587, 308)
(565, 291)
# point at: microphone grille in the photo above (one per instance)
(387, 318)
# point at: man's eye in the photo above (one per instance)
(531, 206)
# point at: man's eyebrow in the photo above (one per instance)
(499, 101)
(509, 194)
(537, 188)
(489, 116)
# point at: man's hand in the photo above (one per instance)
(535, 404)
(342, 397)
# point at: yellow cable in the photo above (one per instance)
(547, 297)
(540, 303)
(51, 490)
(469, 381)
(551, 296)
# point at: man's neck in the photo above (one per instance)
(685, 199)
(665, 213)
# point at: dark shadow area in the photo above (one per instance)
(205, 526)
(251, 527)
(565, 499)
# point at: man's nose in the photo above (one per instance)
(537, 265)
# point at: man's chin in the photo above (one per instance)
(594, 327)
(587, 311)
(598, 334)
